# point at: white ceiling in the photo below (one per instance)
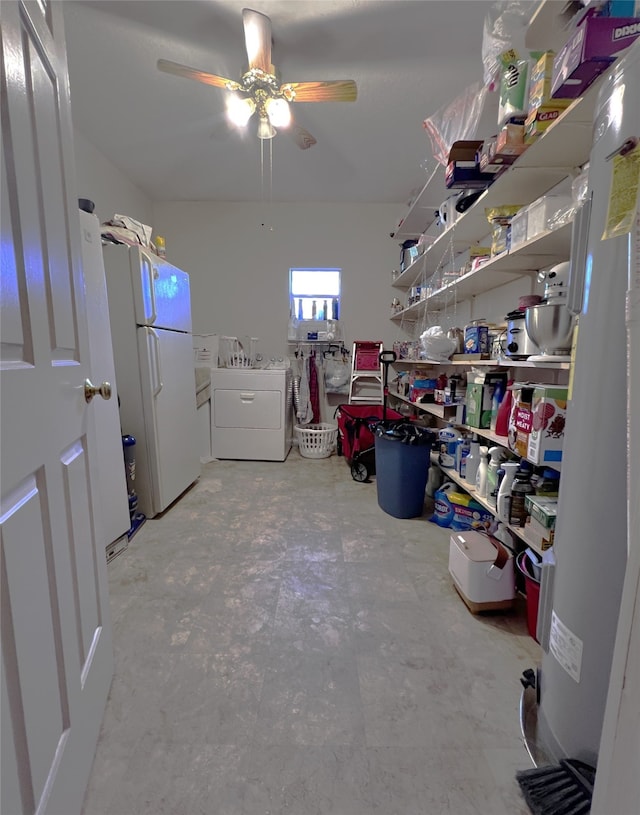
(169, 134)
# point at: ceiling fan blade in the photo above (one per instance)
(257, 38)
(301, 137)
(200, 76)
(336, 90)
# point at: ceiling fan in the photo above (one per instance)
(259, 89)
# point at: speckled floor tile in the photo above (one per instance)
(308, 781)
(282, 645)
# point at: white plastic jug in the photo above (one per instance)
(447, 444)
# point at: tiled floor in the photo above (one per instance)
(284, 646)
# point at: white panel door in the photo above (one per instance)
(56, 639)
(111, 473)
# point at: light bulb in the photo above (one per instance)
(240, 109)
(265, 130)
(278, 112)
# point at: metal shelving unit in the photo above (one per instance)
(558, 153)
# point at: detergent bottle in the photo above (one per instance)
(481, 475)
(496, 455)
(472, 461)
(448, 443)
(503, 504)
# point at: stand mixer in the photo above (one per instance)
(550, 324)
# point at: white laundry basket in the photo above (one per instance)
(316, 440)
(238, 353)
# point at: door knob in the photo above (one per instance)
(91, 390)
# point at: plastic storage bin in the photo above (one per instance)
(546, 213)
(402, 468)
(532, 589)
(519, 228)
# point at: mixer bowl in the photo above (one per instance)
(550, 326)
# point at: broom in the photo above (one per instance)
(558, 790)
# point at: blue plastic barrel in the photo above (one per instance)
(402, 469)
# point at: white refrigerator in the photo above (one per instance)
(150, 317)
(578, 618)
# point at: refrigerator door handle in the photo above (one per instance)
(157, 383)
(578, 266)
(151, 274)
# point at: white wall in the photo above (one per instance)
(107, 186)
(240, 269)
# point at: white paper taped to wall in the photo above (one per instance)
(566, 647)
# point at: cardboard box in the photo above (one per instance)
(510, 141)
(457, 510)
(478, 400)
(476, 339)
(589, 51)
(520, 419)
(540, 81)
(542, 117)
(542, 509)
(538, 536)
(548, 417)
(462, 170)
(478, 403)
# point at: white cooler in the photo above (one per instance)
(482, 571)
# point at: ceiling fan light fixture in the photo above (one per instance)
(265, 129)
(278, 111)
(240, 109)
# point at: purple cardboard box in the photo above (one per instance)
(589, 51)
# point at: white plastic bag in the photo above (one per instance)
(336, 375)
(437, 346)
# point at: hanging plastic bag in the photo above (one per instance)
(336, 375)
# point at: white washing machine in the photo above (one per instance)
(251, 413)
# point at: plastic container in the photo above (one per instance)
(161, 248)
(402, 468)
(504, 411)
(236, 353)
(532, 590)
(522, 487)
(503, 504)
(496, 455)
(549, 483)
(448, 439)
(316, 440)
(472, 462)
(481, 474)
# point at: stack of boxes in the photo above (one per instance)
(543, 110)
(540, 526)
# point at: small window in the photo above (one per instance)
(314, 294)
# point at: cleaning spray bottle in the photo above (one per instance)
(503, 504)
